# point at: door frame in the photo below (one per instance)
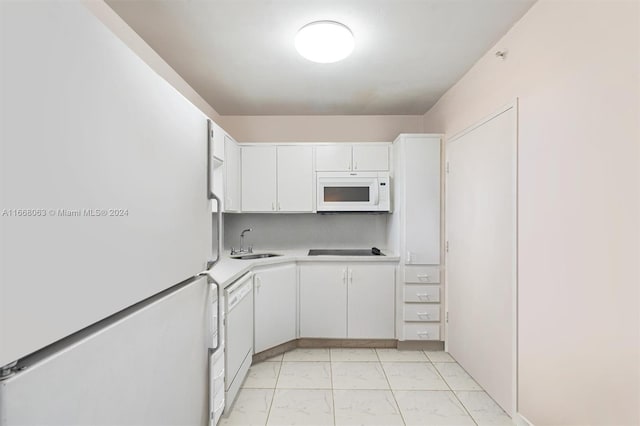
(514, 307)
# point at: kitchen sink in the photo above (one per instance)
(255, 256)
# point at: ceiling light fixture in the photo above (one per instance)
(324, 41)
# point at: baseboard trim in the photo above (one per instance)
(275, 351)
(419, 345)
(347, 343)
(521, 420)
(407, 345)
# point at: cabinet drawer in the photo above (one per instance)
(423, 312)
(422, 274)
(421, 293)
(421, 331)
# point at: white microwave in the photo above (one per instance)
(353, 192)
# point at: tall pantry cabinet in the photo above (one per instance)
(414, 233)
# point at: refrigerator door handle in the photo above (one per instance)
(219, 289)
(210, 195)
(216, 245)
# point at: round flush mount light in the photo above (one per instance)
(324, 41)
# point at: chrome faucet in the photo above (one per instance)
(242, 249)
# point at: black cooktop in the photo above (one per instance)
(345, 252)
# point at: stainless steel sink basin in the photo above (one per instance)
(255, 256)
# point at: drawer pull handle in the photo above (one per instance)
(424, 314)
(423, 277)
(423, 333)
(423, 295)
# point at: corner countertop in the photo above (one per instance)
(228, 270)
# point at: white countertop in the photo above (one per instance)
(227, 270)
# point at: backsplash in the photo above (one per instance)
(293, 231)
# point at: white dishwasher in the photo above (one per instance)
(239, 336)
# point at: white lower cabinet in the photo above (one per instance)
(424, 312)
(421, 331)
(339, 300)
(323, 300)
(275, 304)
(421, 293)
(370, 301)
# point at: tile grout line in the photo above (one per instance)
(275, 388)
(480, 390)
(333, 394)
(393, 395)
(454, 394)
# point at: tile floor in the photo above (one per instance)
(317, 387)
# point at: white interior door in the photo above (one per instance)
(481, 261)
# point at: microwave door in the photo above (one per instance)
(347, 196)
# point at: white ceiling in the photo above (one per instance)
(240, 57)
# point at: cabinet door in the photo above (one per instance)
(218, 140)
(422, 201)
(323, 300)
(371, 308)
(275, 307)
(232, 175)
(333, 158)
(258, 178)
(371, 157)
(295, 179)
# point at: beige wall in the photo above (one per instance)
(574, 65)
(320, 128)
(122, 30)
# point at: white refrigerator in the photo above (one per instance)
(106, 227)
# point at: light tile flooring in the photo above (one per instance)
(317, 387)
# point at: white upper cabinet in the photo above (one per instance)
(416, 183)
(280, 178)
(422, 201)
(295, 179)
(340, 157)
(277, 178)
(232, 176)
(259, 179)
(218, 136)
(370, 157)
(333, 158)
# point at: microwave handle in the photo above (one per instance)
(376, 194)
